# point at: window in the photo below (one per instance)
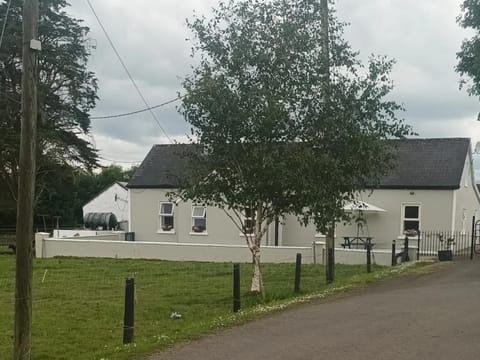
(249, 221)
(410, 217)
(199, 219)
(166, 216)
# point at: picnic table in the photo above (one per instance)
(357, 242)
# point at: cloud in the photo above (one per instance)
(132, 153)
(422, 36)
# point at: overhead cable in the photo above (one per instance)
(149, 108)
(5, 22)
(137, 111)
(120, 161)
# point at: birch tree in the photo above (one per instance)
(469, 55)
(270, 141)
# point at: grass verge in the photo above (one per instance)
(78, 303)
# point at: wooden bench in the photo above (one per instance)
(358, 242)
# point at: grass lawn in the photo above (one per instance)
(78, 303)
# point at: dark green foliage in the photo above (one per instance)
(469, 55)
(281, 135)
(66, 192)
(67, 92)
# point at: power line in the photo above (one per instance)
(137, 111)
(120, 161)
(5, 22)
(128, 72)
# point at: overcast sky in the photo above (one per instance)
(422, 36)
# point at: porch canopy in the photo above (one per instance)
(363, 207)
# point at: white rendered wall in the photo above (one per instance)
(436, 214)
(114, 200)
(104, 247)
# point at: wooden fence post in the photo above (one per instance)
(298, 269)
(236, 287)
(128, 317)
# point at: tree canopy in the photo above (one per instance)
(74, 189)
(284, 128)
(66, 94)
(469, 55)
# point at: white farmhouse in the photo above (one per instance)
(430, 188)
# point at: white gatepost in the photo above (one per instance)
(40, 243)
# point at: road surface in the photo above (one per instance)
(434, 316)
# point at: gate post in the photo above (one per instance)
(418, 244)
(369, 256)
(394, 254)
(406, 257)
(472, 244)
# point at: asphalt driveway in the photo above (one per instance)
(434, 316)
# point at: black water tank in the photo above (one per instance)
(106, 221)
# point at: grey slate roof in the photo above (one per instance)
(427, 164)
(420, 164)
(162, 167)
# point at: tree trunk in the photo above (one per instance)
(257, 283)
(330, 255)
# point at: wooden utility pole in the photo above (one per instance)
(330, 236)
(325, 47)
(26, 185)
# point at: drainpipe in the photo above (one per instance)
(454, 210)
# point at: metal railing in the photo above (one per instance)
(431, 242)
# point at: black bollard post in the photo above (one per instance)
(298, 269)
(128, 316)
(236, 287)
(406, 257)
(418, 244)
(394, 257)
(369, 257)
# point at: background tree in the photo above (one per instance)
(273, 143)
(67, 92)
(66, 192)
(469, 55)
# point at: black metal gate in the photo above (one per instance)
(476, 237)
(456, 244)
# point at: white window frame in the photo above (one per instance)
(194, 217)
(161, 215)
(403, 218)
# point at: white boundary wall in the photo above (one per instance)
(57, 233)
(112, 247)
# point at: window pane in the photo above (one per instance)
(200, 222)
(166, 208)
(411, 225)
(411, 212)
(199, 225)
(198, 211)
(249, 213)
(167, 223)
(248, 225)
